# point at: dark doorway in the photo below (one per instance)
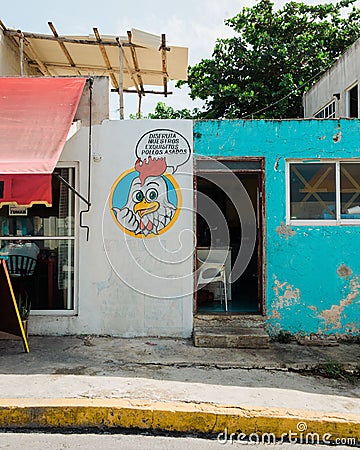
(353, 102)
(245, 294)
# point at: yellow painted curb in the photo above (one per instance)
(178, 416)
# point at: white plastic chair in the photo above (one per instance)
(210, 272)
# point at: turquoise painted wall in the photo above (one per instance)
(312, 276)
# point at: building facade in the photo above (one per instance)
(277, 201)
(303, 180)
(336, 94)
(139, 206)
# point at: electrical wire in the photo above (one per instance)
(290, 93)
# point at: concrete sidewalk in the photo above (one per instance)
(169, 384)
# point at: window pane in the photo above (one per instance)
(350, 190)
(320, 114)
(41, 220)
(312, 191)
(51, 285)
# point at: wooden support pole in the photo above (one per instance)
(128, 69)
(121, 81)
(164, 49)
(18, 34)
(22, 70)
(139, 106)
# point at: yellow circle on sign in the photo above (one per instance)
(176, 189)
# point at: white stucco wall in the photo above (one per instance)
(100, 102)
(127, 286)
(337, 80)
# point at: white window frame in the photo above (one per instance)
(332, 116)
(316, 222)
(347, 98)
(74, 310)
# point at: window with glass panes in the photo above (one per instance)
(324, 191)
(328, 112)
(48, 235)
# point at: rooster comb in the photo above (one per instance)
(150, 168)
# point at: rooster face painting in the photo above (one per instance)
(147, 210)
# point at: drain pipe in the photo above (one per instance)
(91, 82)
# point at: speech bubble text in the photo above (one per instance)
(164, 143)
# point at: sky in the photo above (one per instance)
(195, 24)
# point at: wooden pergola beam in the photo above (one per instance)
(62, 46)
(130, 91)
(101, 69)
(106, 59)
(34, 56)
(127, 65)
(47, 37)
(2, 25)
(136, 64)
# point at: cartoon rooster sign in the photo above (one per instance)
(147, 209)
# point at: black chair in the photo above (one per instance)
(21, 265)
(21, 268)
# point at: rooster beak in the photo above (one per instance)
(144, 207)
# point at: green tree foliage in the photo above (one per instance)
(275, 56)
(162, 111)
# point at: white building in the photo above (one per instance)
(336, 94)
(85, 283)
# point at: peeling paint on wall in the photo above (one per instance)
(285, 231)
(275, 314)
(352, 327)
(337, 137)
(276, 165)
(344, 271)
(285, 297)
(333, 316)
(285, 293)
(307, 255)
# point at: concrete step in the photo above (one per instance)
(229, 320)
(231, 337)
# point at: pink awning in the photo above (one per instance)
(35, 118)
(25, 190)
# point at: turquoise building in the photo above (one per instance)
(303, 180)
